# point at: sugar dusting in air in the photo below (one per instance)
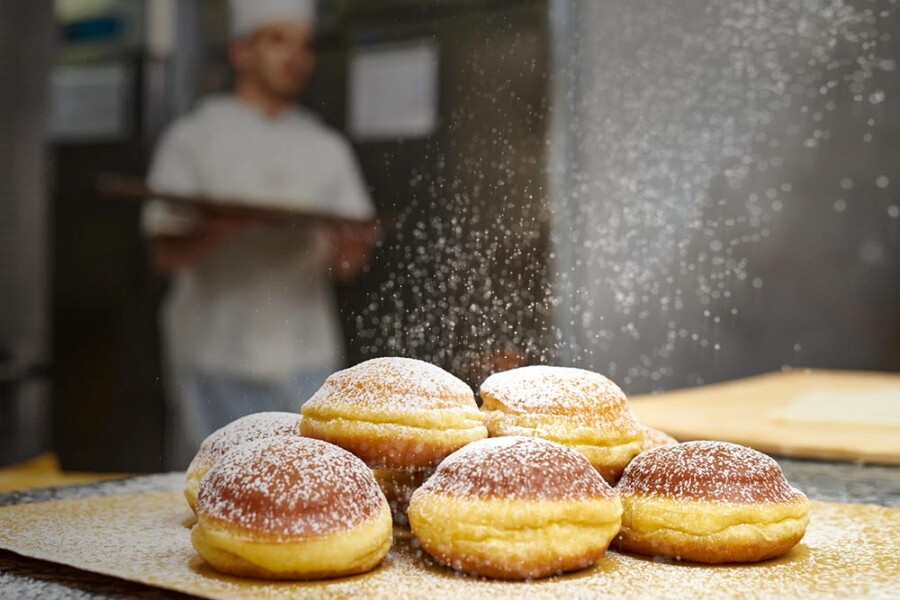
(394, 383)
(710, 471)
(516, 468)
(690, 135)
(290, 486)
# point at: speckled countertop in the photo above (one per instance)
(27, 578)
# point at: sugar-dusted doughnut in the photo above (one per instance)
(515, 507)
(291, 508)
(394, 413)
(574, 407)
(710, 502)
(241, 431)
(654, 438)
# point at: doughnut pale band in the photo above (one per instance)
(514, 537)
(394, 440)
(712, 532)
(233, 551)
(609, 452)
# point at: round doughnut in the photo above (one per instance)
(710, 502)
(394, 413)
(515, 508)
(398, 486)
(576, 408)
(654, 438)
(291, 508)
(222, 441)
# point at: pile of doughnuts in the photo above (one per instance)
(519, 489)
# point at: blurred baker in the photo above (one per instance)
(250, 323)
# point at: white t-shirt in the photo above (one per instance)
(261, 305)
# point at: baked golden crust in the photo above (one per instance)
(515, 507)
(247, 429)
(654, 438)
(335, 555)
(574, 407)
(291, 508)
(709, 502)
(394, 413)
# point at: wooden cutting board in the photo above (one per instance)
(849, 550)
(835, 415)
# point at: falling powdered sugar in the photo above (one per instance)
(707, 471)
(517, 468)
(286, 487)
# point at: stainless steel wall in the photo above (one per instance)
(726, 179)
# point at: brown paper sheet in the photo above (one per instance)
(850, 550)
(746, 412)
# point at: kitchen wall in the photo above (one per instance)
(726, 189)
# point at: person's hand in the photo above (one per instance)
(352, 244)
(221, 225)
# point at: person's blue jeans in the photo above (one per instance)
(204, 402)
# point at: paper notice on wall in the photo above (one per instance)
(393, 91)
(90, 102)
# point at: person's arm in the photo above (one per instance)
(351, 243)
(180, 237)
(352, 248)
(171, 253)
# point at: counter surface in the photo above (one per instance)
(27, 578)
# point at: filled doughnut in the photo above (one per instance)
(710, 502)
(654, 438)
(222, 441)
(291, 508)
(394, 413)
(576, 408)
(515, 508)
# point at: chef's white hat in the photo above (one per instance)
(249, 15)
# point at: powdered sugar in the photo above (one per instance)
(710, 471)
(290, 486)
(251, 428)
(582, 397)
(516, 467)
(394, 383)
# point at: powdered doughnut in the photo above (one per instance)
(576, 408)
(394, 413)
(515, 507)
(654, 438)
(709, 502)
(241, 431)
(291, 508)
